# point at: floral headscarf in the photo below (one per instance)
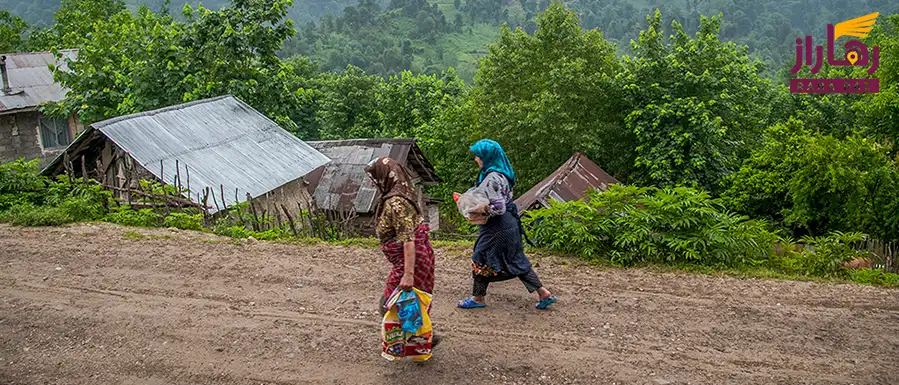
(392, 180)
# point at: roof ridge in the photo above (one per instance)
(107, 122)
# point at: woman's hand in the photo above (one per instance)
(477, 218)
(407, 282)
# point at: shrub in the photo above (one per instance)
(29, 199)
(873, 277)
(631, 225)
(126, 216)
(184, 221)
(21, 183)
(28, 214)
(227, 230)
(821, 256)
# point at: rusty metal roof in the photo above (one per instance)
(570, 182)
(222, 142)
(343, 185)
(31, 80)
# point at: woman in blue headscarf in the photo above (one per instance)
(499, 251)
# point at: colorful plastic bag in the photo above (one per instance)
(406, 327)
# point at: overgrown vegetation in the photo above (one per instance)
(685, 227)
(630, 225)
(721, 160)
(29, 199)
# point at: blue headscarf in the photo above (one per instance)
(494, 159)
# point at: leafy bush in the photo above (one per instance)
(816, 184)
(126, 216)
(29, 199)
(631, 225)
(873, 277)
(184, 221)
(820, 256)
(21, 183)
(229, 230)
(28, 214)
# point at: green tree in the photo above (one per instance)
(815, 184)
(697, 105)
(75, 21)
(545, 96)
(879, 112)
(134, 63)
(12, 31)
(348, 104)
(409, 103)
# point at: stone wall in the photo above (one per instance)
(20, 137)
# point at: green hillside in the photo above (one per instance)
(384, 37)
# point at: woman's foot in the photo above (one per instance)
(546, 298)
(471, 303)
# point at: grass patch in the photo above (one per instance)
(133, 235)
(31, 215)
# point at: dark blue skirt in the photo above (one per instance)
(500, 245)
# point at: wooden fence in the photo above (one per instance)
(302, 218)
(883, 254)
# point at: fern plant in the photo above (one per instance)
(630, 225)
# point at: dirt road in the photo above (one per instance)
(101, 304)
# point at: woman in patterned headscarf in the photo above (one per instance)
(499, 250)
(404, 238)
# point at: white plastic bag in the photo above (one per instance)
(471, 201)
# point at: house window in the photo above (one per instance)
(54, 132)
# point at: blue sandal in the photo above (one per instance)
(544, 303)
(469, 303)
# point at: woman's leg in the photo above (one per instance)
(479, 287)
(533, 284)
(481, 282)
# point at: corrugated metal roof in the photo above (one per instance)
(222, 142)
(343, 185)
(31, 80)
(570, 182)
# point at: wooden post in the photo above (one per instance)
(68, 165)
(224, 205)
(206, 206)
(177, 176)
(83, 170)
(217, 208)
(277, 213)
(290, 221)
(264, 225)
(178, 184)
(101, 176)
(187, 171)
(253, 210)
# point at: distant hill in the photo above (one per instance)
(385, 37)
(40, 12)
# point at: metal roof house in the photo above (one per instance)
(221, 144)
(343, 186)
(570, 182)
(27, 84)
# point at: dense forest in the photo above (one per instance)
(685, 107)
(386, 37)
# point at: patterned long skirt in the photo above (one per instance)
(424, 262)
